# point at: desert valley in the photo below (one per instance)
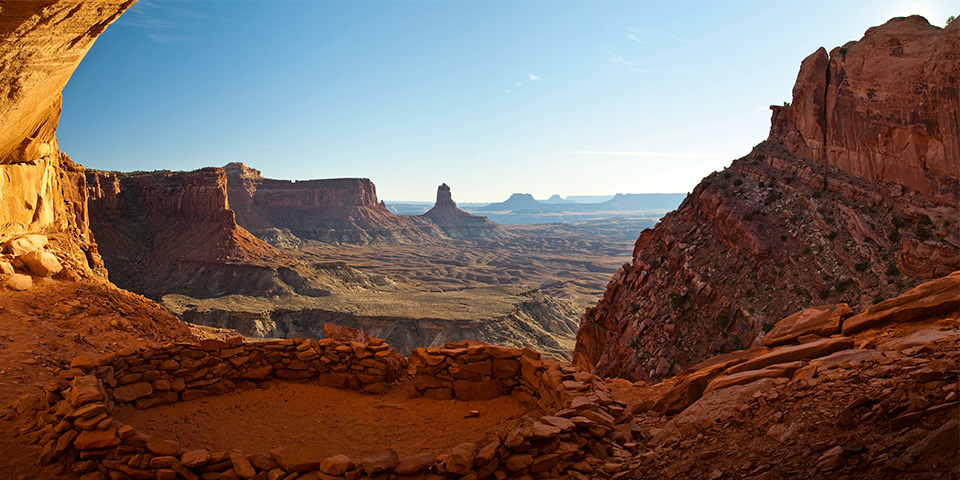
(796, 315)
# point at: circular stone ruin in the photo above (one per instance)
(573, 429)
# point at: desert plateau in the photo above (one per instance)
(170, 311)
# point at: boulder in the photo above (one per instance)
(42, 263)
(19, 282)
(824, 321)
(27, 243)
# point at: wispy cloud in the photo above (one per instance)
(533, 78)
(633, 37)
(646, 154)
(617, 58)
(631, 66)
(517, 85)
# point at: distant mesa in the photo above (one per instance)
(555, 199)
(517, 201)
(644, 201)
(456, 223)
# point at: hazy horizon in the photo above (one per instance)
(492, 98)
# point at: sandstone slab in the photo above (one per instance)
(18, 282)
(936, 297)
(792, 353)
(824, 321)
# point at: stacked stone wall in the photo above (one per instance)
(573, 429)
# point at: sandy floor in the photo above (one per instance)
(349, 422)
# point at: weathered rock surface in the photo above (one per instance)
(456, 223)
(41, 190)
(796, 222)
(883, 108)
(172, 232)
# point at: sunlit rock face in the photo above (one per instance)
(41, 191)
(852, 199)
(884, 108)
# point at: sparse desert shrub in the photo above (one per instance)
(921, 233)
(761, 184)
(894, 235)
(807, 251)
(892, 270)
(761, 156)
(783, 238)
(748, 216)
(799, 291)
(723, 321)
(726, 175)
(831, 235)
(841, 286)
(816, 194)
(634, 308)
(767, 327)
(677, 300)
(823, 293)
(737, 182)
(878, 299)
(897, 222)
(750, 293)
(924, 221)
(861, 266)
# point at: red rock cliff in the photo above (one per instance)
(852, 199)
(159, 229)
(885, 108)
(330, 210)
(41, 190)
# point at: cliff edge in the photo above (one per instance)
(852, 199)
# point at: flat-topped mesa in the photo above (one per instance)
(159, 229)
(329, 210)
(853, 199)
(41, 191)
(884, 108)
(456, 223)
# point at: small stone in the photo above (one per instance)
(472, 414)
(242, 466)
(6, 268)
(195, 458)
(414, 464)
(160, 446)
(336, 465)
(378, 461)
(460, 460)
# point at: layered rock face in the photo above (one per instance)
(851, 200)
(886, 108)
(456, 223)
(41, 190)
(333, 210)
(166, 232)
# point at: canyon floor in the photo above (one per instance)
(528, 289)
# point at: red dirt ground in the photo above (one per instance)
(282, 413)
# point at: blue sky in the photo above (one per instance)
(491, 97)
